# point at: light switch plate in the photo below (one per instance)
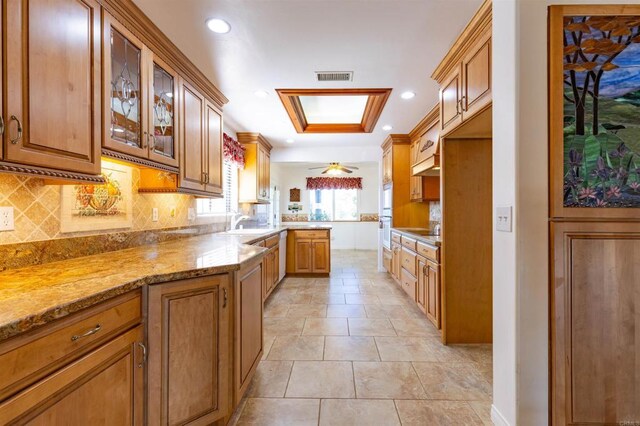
(6, 219)
(503, 219)
(191, 214)
(154, 214)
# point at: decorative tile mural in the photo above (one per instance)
(37, 209)
(601, 111)
(369, 217)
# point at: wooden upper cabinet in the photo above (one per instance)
(214, 155)
(476, 77)
(161, 106)
(387, 165)
(192, 138)
(254, 181)
(450, 97)
(125, 87)
(189, 351)
(52, 85)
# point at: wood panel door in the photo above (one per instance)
(189, 351)
(303, 256)
(450, 95)
(321, 257)
(248, 326)
(276, 267)
(214, 156)
(387, 165)
(595, 326)
(52, 83)
(104, 387)
(267, 274)
(264, 166)
(192, 138)
(422, 285)
(432, 287)
(395, 261)
(476, 78)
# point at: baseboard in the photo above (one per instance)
(497, 418)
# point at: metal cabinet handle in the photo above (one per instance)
(152, 141)
(224, 303)
(17, 138)
(462, 107)
(424, 270)
(144, 354)
(145, 138)
(206, 177)
(94, 330)
(1, 125)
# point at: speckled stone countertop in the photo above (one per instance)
(35, 295)
(420, 234)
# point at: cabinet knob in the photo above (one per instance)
(19, 136)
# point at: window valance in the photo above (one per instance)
(233, 151)
(334, 183)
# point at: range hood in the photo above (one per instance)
(428, 156)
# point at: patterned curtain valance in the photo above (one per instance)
(233, 151)
(334, 183)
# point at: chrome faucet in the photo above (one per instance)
(437, 229)
(235, 220)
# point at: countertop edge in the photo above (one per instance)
(422, 238)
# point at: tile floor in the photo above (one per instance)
(353, 349)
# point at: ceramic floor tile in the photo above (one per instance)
(308, 310)
(321, 379)
(453, 381)
(267, 342)
(350, 348)
(370, 327)
(414, 327)
(441, 413)
(386, 311)
(325, 327)
(283, 326)
(328, 299)
(345, 412)
(343, 289)
(393, 380)
(483, 410)
(404, 348)
(346, 311)
(276, 310)
(362, 299)
(297, 348)
(279, 412)
(271, 379)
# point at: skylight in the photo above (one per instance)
(334, 109)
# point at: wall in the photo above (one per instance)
(345, 235)
(521, 180)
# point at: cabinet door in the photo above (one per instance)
(423, 281)
(320, 256)
(476, 78)
(395, 262)
(189, 351)
(52, 82)
(192, 138)
(276, 266)
(386, 259)
(267, 275)
(387, 166)
(248, 326)
(161, 104)
(125, 90)
(213, 160)
(303, 256)
(450, 94)
(433, 292)
(263, 174)
(104, 387)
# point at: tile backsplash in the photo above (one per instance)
(37, 210)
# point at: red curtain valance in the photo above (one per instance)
(233, 151)
(334, 183)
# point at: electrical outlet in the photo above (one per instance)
(6, 219)
(154, 214)
(503, 219)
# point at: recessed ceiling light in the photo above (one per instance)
(408, 95)
(386, 128)
(218, 25)
(261, 93)
(290, 141)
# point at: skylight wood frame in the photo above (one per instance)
(375, 104)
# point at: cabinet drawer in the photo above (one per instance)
(428, 251)
(395, 238)
(409, 283)
(260, 243)
(408, 261)
(409, 243)
(272, 241)
(26, 359)
(311, 234)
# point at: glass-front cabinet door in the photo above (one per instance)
(124, 87)
(162, 104)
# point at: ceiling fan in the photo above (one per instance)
(335, 169)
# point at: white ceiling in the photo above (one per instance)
(277, 44)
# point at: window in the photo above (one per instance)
(333, 204)
(228, 204)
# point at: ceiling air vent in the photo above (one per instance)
(334, 75)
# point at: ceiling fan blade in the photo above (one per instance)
(326, 170)
(344, 169)
(317, 168)
(351, 167)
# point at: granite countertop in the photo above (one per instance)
(420, 234)
(35, 295)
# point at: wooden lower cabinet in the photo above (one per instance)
(428, 290)
(189, 351)
(320, 256)
(395, 261)
(104, 387)
(387, 258)
(271, 262)
(595, 300)
(303, 256)
(247, 326)
(309, 252)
